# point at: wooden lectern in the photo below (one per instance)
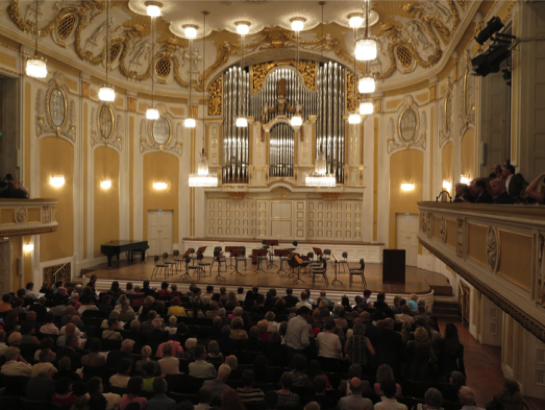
(393, 266)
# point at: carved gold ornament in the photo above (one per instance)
(214, 103)
(306, 68)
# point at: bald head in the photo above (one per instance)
(356, 385)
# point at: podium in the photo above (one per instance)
(393, 266)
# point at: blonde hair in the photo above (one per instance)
(262, 326)
(146, 352)
(191, 343)
(149, 301)
(167, 349)
(232, 362)
(172, 320)
(15, 339)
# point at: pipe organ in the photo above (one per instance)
(283, 95)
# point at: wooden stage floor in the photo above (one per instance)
(418, 281)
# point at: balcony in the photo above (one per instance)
(498, 249)
(27, 216)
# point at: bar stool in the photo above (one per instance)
(158, 266)
(170, 264)
(358, 272)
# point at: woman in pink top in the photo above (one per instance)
(134, 387)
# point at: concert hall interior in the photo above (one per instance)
(338, 146)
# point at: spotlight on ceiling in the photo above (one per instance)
(153, 8)
(490, 61)
(190, 30)
(298, 23)
(243, 27)
(355, 20)
(493, 26)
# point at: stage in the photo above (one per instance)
(419, 281)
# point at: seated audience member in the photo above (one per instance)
(172, 327)
(106, 304)
(160, 401)
(218, 385)
(501, 197)
(496, 172)
(230, 400)
(163, 292)
(481, 193)
(214, 354)
(27, 333)
(189, 351)
(355, 371)
(385, 373)
(253, 343)
(290, 300)
(226, 342)
(63, 395)
(5, 305)
(121, 378)
(147, 326)
(200, 368)
(157, 335)
(41, 387)
(168, 364)
(69, 350)
(433, 400)
(94, 358)
(175, 308)
(134, 388)
(177, 349)
(146, 358)
(286, 398)
(126, 314)
(148, 370)
(39, 308)
(319, 396)
(96, 388)
(237, 331)
(64, 369)
(214, 331)
(247, 393)
(236, 372)
(46, 359)
(70, 330)
(299, 372)
(111, 333)
(125, 352)
(462, 193)
(511, 398)
(514, 183)
(533, 192)
(204, 397)
(466, 397)
(3, 345)
(355, 401)
(405, 315)
(49, 328)
(388, 400)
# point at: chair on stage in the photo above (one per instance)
(230, 249)
(320, 270)
(197, 269)
(170, 264)
(219, 259)
(203, 264)
(344, 261)
(192, 255)
(158, 266)
(327, 254)
(283, 256)
(359, 271)
(261, 257)
(179, 260)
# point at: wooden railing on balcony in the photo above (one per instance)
(27, 216)
(497, 248)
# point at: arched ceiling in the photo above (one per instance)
(413, 36)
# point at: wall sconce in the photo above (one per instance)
(407, 187)
(28, 247)
(106, 183)
(159, 186)
(56, 181)
(447, 185)
(465, 179)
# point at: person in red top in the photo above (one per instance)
(63, 395)
(163, 292)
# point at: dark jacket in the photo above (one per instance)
(389, 348)
(291, 301)
(115, 356)
(40, 388)
(66, 351)
(504, 199)
(484, 198)
(516, 185)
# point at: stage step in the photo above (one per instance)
(448, 311)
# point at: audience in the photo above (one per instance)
(134, 388)
(160, 401)
(355, 401)
(200, 367)
(218, 385)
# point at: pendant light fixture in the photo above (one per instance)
(36, 67)
(366, 48)
(366, 84)
(153, 8)
(152, 113)
(320, 178)
(298, 24)
(203, 178)
(107, 92)
(190, 31)
(241, 121)
(354, 117)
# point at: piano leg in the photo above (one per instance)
(144, 256)
(109, 261)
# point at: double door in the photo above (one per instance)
(160, 232)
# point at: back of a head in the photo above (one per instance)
(248, 377)
(148, 368)
(98, 402)
(224, 371)
(159, 385)
(511, 386)
(93, 385)
(312, 406)
(356, 385)
(433, 398)
(200, 350)
(457, 378)
(466, 396)
(319, 384)
(389, 388)
(134, 386)
(354, 370)
(300, 362)
(62, 385)
(205, 395)
(286, 380)
(167, 349)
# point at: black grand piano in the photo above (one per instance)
(116, 247)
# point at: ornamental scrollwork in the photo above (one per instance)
(20, 216)
(492, 249)
(215, 102)
(443, 229)
(174, 143)
(115, 139)
(401, 136)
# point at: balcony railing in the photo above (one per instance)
(27, 216)
(497, 248)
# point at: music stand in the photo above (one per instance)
(299, 263)
(260, 252)
(281, 253)
(336, 269)
(271, 243)
(236, 253)
(317, 251)
(218, 276)
(230, 249)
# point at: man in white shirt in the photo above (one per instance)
(200, 368)
(298, 333)
(467, 398)
(29, 291)
(13, 367)
(304, 301)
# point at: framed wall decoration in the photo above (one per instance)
(106, 121)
